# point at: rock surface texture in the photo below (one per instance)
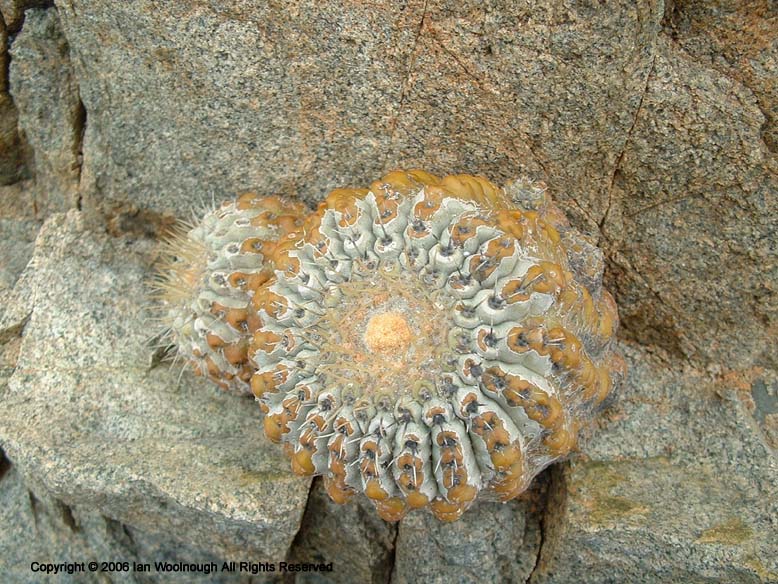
(653, 124)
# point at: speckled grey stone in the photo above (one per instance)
(360, 545)
(91, 420)
(12, 11)
(40, 529)
(691, 233)
(679, 484)
(16, 242)
(738, 39)
(11, 146)
(18, 230)
(17, 239)
(492, 542)
(191, 100)
(51, 116)
(658, 155)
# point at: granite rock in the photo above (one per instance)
(12, 11)
(738, 39)
(51, 116)
(18, 229)
(639, 141)
(16, 244)
(691, 230)
(683, 467)
(359, 544)
(195, 100)
(493, 542)
(679, 484)
(42, 529)
(12, 153)
(91, 418)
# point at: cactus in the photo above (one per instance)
(425, 340)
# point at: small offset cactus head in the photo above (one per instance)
(208, 273)
(431, 340)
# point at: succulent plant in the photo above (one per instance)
(208, 273)
(428, 339)
(425, 340)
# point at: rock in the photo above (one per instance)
(658, 156)
(738, 39)
(492, 542)
(12, 151)
(50, 111)
(760, 394)
(689, 232)
(18, 229)
(12, 11)
(198, 101)
(44, 530)
(679, 485)
(11, 161)
(653, 124)
(16, 243)
(358, 543)
(91, 419)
